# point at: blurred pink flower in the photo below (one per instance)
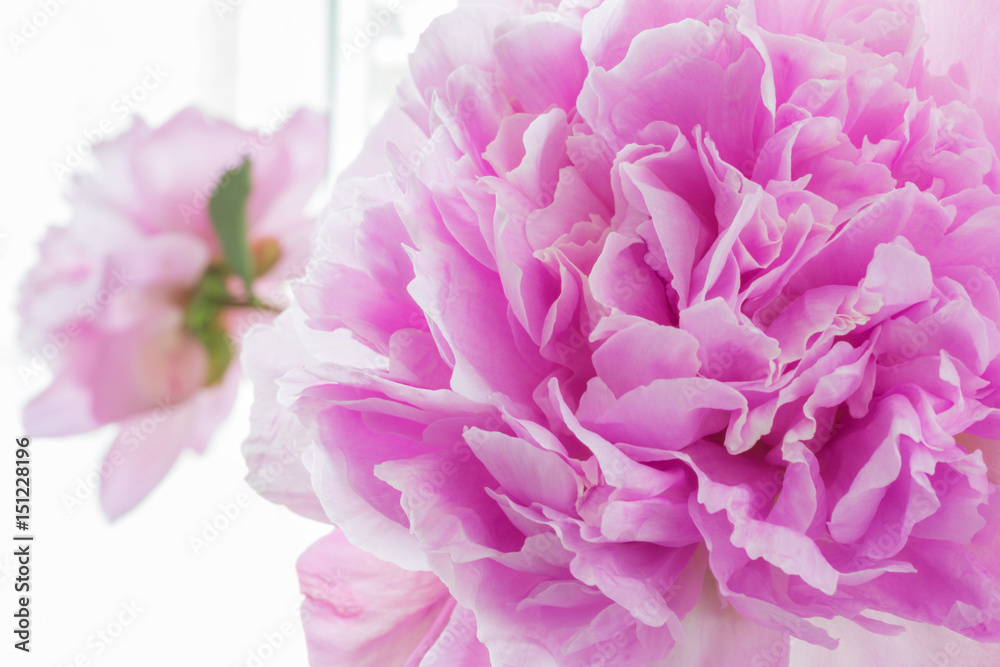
(107, 304)
(667, 333)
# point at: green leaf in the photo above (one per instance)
(202, 318)
(203, 308)
(228, 210)
(220, 353)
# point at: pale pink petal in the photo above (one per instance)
(919, 644)
(277, 440)
(363, 612)
(149, 443)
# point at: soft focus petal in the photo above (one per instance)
(132, 306)
(148, 444)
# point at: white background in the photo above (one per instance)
(214, 607)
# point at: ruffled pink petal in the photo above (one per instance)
(457, 645)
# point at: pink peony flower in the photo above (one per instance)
(129, 303)
(666, 333)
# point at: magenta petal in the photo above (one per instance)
(644, 352)
(688, 409)
(523, 468)
(542, 63)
